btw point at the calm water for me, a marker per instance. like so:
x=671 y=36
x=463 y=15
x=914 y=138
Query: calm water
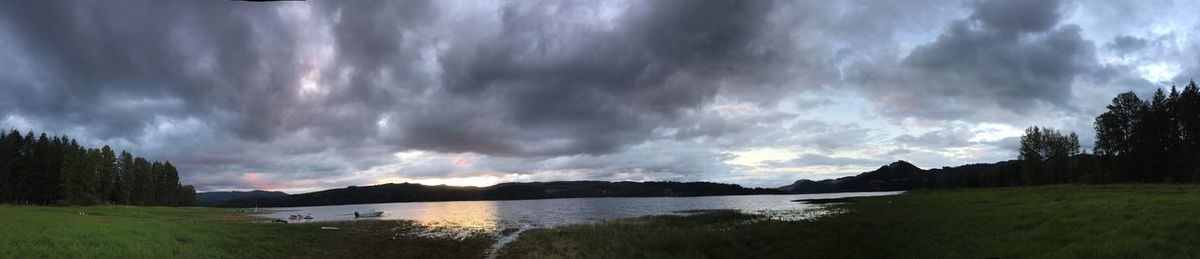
x=493 y=215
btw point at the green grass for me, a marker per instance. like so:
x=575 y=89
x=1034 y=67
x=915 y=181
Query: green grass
x=1048 y=222
x=1042 y=222
x=157 y=232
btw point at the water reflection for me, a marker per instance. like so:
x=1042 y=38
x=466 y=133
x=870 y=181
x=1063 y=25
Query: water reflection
x=465 y=214
x=521 y=214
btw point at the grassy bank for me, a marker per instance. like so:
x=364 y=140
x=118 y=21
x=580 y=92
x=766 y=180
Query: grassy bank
x=1053 y=221
x=156 y=232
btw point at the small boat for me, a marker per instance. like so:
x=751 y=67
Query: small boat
x=308 y=216
x=369 y=213
x=294 y=217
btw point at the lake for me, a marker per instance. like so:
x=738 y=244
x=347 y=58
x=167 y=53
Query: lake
x=494 y=215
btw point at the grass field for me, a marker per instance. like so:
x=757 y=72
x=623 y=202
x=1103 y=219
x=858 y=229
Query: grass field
x=1048 y=222
x=1051 y=222
x=156 y=232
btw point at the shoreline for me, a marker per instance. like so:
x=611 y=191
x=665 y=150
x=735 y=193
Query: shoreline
x=1107 y=221
x=1092 y=221
x=555 y=198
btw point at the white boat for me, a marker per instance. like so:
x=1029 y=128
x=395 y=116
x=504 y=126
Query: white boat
x=367 y=214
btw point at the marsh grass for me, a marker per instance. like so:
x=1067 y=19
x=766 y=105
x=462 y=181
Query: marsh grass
x=158 y=232
x=1047 y=222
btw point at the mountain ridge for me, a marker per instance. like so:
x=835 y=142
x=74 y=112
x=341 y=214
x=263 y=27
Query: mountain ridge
x=216 y=198
x=902 y=175
x=412 y=192
x=896 y=176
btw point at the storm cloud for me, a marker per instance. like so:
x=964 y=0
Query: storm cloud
x=320 y=94
x=1007 y=56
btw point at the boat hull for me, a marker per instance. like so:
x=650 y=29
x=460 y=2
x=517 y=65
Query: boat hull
x=369 y=214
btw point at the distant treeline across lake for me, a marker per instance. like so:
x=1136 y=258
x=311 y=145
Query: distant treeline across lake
x=411 y=192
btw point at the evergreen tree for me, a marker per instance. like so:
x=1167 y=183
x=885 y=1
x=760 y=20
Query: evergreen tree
x=1151 y=139
x=92 y=176
x=45 y=172
x=1187 y=116
x=22 y=188
x=10 y=156
x=74 y=168
x=107 y=163
x=187 y=195
x=155 y=184
x=168 y=185
x=124 y=179
x=142 y=192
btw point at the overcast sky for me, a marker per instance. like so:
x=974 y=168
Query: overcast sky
x=302 y=96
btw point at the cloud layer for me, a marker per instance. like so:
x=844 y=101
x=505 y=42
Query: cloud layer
x=309 y=95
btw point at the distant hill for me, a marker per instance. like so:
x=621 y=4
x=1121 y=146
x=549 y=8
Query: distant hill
x=902 y=175
x=217 y=198
x=899 y=175
x=577 y=189
x=410 y=192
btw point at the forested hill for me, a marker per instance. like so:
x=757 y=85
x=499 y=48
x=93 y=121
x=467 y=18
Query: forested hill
x=217 y=198
x=902 y=175
x=899 y=175
x=409 y=192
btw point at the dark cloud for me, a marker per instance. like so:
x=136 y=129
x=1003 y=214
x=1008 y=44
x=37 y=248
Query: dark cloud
x=324 y=93
x=115 y=66
x=142 y=72
x=245 y=62
x=348 y=76
x=1011 y=143
x=1011 y=17
x=1125 y=44
x=1009 y=57
x=938 y=139
x=554 y=88
x=732 y=120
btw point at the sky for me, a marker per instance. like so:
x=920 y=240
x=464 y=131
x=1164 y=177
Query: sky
x=304 y=96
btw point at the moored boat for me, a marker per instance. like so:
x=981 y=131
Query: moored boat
x=369 y=213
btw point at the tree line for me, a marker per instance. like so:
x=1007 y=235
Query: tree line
x=1137 y=140
x=1155 y=140
x=58 y=170
x=411 y=192
x=1046 y=156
